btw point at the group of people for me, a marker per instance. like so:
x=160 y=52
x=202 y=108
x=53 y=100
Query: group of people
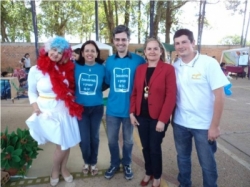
x=22 y=69
x=147 y=94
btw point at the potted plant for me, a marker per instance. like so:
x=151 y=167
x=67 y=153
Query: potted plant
x=18 y=149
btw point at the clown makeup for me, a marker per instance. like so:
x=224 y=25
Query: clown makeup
x=55 y=54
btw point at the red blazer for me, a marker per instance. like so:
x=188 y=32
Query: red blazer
x=162 y=91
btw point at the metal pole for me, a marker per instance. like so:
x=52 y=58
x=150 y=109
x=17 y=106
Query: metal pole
x=34 y=20
x=151 y=27
x=96 y=21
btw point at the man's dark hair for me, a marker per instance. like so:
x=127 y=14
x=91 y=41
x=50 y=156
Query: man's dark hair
x=120 y=29
x=186 y=32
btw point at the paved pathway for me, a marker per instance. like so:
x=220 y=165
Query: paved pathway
x=233 y=155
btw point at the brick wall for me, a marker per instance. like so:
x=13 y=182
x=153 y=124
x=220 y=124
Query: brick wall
x=210 y=50
x=11 y=53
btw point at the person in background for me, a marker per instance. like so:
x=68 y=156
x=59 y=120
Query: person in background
x=223 y=68
x=4 y=74
x=199 y=106
x=120 y=71
x=51 y=94
x=21 y=75
x=22 y=61
x=19 y=72
x=27 y=63
x=151 y=106
x=89 y=76
x=175 y=59
x=76 y=54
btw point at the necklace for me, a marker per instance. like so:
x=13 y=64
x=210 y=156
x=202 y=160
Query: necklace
x=146 y=89
x=90 y=65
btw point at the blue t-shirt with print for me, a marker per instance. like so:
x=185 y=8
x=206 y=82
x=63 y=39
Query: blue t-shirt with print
x=120 y=74
x=88 y=81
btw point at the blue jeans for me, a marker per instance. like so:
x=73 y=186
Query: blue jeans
x=151 y=142
x=113 y=128
x=183 y=143
x=89 y=127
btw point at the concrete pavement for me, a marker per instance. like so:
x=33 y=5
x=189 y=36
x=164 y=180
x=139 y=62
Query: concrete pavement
x=233 y=155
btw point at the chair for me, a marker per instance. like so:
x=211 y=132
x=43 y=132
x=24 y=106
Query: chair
x=238 y=70
x=19 y=90
x=5 y=89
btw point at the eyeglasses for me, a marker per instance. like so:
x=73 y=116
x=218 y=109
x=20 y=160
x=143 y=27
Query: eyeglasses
x=193 y=62
x=121 y=39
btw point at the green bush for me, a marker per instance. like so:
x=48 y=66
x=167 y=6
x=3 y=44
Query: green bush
x=18 y=149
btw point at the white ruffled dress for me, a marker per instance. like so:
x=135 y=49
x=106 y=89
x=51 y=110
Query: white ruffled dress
x=54 y=124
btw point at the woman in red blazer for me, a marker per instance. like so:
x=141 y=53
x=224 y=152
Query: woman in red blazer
x=152 y=102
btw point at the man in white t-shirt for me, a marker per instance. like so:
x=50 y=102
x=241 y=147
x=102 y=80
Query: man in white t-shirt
x=199 y=106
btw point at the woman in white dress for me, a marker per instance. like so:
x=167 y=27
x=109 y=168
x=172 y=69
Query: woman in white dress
x=51 y=94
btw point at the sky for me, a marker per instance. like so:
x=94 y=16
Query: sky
x=222 y=22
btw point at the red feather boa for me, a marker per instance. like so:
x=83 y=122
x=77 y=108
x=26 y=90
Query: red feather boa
x=58 y=73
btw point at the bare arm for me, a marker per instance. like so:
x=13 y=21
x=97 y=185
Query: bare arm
x=214 y=130
x=32 y=90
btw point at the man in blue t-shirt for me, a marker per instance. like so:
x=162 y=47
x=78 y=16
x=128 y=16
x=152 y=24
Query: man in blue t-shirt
x=120 y=71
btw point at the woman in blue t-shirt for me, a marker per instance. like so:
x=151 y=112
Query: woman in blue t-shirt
x=89 y=78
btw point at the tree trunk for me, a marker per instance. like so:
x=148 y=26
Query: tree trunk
x=57 y=31
x=110 y=18
x=139 y=22
x=116 y=13
x=158 y=16
x=3 y=32
x=168 y=22
x=201 y=23
x=126 y=16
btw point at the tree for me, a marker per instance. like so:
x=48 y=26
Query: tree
x=239 y=7
x=61 y=17
x=10 y=13
x=231 y=40
x=172 y=10
x=158 y=17
x=127 y=11
x=201 y=18
x=139 y=22
x=108 y=9
x=167 y=12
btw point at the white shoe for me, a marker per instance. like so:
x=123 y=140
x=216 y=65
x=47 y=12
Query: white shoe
x=69 y=178
x=54 y=182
